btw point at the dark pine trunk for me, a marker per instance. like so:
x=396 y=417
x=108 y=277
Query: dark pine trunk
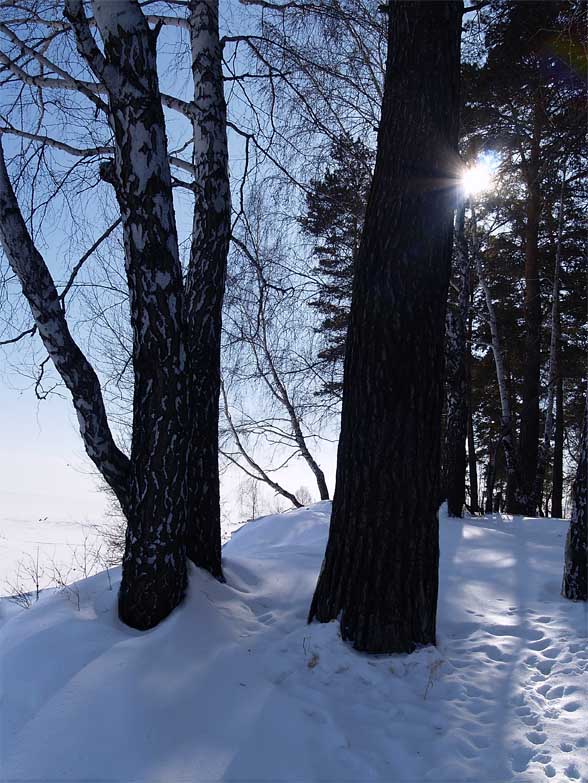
x=575 y=579
x=558 y=448
x=530 y=416
x=380 y=573
x=205 y=283
x=456 y=376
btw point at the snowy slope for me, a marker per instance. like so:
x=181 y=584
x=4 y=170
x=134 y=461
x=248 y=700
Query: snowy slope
x=235 y=686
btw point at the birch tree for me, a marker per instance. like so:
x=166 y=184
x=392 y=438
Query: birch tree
x=575 y=579
x=167 y=485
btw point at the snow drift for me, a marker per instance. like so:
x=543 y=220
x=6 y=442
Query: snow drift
x=235 y=686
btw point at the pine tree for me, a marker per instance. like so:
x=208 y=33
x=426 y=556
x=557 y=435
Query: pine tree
x=335 y=209
x=380 y=573
x=525 y=103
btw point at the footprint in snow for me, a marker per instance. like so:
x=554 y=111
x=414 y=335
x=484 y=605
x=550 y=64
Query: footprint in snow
x=521 y=758
x=550 y=692
x=534 y=636
x=543 y=666
x=537 y=737
x=551 y=652
x=572 y=772
x=493 y=652
x=480 y=741
x=532 y=720
x=540 y=644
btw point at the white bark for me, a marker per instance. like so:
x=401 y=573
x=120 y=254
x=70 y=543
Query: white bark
x=48 y=314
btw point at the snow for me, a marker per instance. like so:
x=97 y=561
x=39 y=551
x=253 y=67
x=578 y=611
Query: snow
x=235 y=686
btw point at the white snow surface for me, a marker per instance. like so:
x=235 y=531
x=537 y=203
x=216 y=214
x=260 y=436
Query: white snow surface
x=235 y=686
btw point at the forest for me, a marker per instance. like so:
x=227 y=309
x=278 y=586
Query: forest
x=240 y=237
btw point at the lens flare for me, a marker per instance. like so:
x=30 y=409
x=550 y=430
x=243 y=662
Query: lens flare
x=477 y=178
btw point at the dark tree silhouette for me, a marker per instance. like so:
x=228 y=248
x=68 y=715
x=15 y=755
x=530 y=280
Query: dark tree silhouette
x=380 y=573
x=456 y=428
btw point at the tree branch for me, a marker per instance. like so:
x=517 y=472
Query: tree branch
x=71 y=364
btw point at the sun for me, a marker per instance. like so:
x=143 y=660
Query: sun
x=477 y=178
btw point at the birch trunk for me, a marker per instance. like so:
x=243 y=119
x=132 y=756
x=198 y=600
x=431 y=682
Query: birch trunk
x=472 y=464
x=558 y=446
x=154 y=564
x=575 y=579
x=205 y=283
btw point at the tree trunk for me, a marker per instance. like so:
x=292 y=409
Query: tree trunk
x=380 y=573
x=506 y=427
x=473 y=468
x=558 y=447
x=530 y=418
x=456 y=377
x=554 y=352
x=575 y=579
x=154 y=563
x=205 y=283
x=490 y=479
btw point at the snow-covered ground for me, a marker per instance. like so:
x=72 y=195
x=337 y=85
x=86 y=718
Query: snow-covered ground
x=235 y=686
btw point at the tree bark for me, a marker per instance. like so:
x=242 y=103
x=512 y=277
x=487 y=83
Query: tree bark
x=380 y=573
x=205 y=283
x=545 y=446
x=575 y=578
x=472 y=464
x=530 y=417
x=554 y=372
x=154 y=563
x=76 y=372
x=558 y=448
x=455 y=376
x=490 y=479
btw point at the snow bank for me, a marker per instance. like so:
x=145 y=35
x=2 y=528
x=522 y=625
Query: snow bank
x=235 y=686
